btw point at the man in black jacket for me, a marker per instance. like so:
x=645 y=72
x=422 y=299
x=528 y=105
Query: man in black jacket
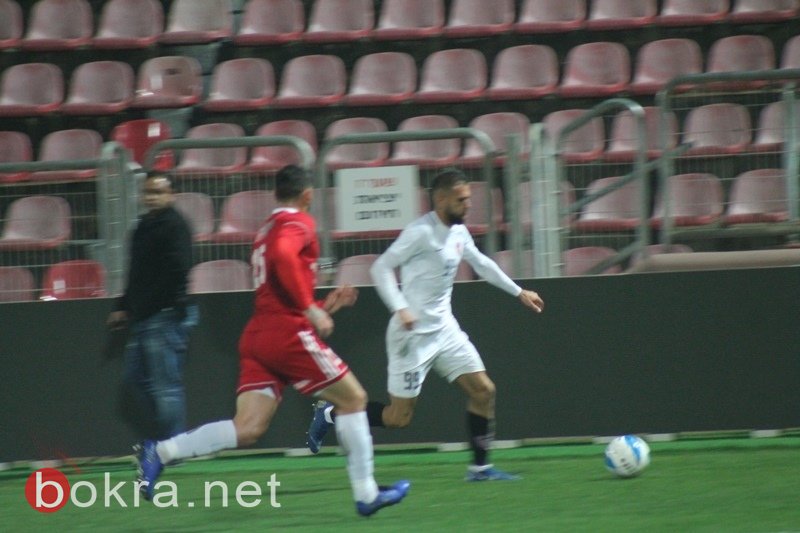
x=156 y=309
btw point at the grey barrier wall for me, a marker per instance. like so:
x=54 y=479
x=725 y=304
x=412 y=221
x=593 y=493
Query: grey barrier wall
x=645 y=353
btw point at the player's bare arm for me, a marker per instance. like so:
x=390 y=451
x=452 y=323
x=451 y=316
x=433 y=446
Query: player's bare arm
x=321 y=320
x=532 y=299
x=344 y=296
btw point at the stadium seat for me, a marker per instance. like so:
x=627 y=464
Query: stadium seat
x=739 y=53
x=138 y=136
x=383 y=78
x=10 y=24
x=771 y=132
x=717 y=129
x=498 y=126
x=243 y=84
x=582 y=145
x=621 y=14
x=578 y=261
x=354 y=270
x=613 y=212
x=15 y=147
x=273 y=158
x=525 y=198
x=312 y=81
x=198 y=210
x=58 y=25
x=759 y=11
x=31 y=89
x=505 y=260
x=167 y=82
x=790 y=56
x=35 y=223
x=78 y=278
x=624 y=140
x=596 y=70
x=213 y=161
x=694 y=200
x=267 y=22
x=455 y=75
x=221 y=275
x=334 y=21
x=16 y=285
x=198 y=22
x=479 y=18
x=692 y=12
x=657 y=62
x=427 y=154
x=551 y=16
x=129 y=24
x=243 y=214
x=409 y=19
x=100 y=88
x=477 y=219
x=66 y=145
x=356 y=155
x=658 y=249
x=524 y=72
x=758 y=196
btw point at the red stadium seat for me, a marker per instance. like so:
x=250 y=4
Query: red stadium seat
x=455 y=75
x=67 y=145
x=198 y=22
x=198 y=210
x=354 y=270
x=383 y=78
x=771 y=132
x=167 y=82
x=59 y=25
x=657 y=62
x=694 y=200
x=621 y=14
x=15 y=147
x=243 y=214
x=126 y=24
x=36 y=223
x=595 y=70
x=214 y=161
x=427 y=154
x=222 y=275
x=525 y=196
x=717 y=129
x=615 y=211
x=138 y=136
x=268 y=22
x=524 y=72
x=339 y=20
x=409 y=19
x=69 y=280
x=578 y=261
x=624 y=141
x=758 y=11
x=551 y=16
x=658 y=249
x=739 y=53
x=790 y=57
x=477 y=219
x=356 y=155
x=10 y=24
x=692 y=12
x=312 y=81
x=479 y=18
x=273 y=158
x=31 y=89
x=582 y=145
x=100 y=88
x=498 y=126
x=505 y=260
x=243 y=84
x=758 y=196
x=16 y=285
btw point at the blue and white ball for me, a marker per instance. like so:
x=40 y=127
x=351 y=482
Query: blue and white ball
x=627 y=456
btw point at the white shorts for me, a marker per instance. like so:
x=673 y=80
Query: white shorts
x=411 y=355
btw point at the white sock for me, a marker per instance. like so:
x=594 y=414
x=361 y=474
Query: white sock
x=356 y=440
x=206 y=439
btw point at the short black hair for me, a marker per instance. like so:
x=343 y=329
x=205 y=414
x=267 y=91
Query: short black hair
x=290 y=182
x=447 y=179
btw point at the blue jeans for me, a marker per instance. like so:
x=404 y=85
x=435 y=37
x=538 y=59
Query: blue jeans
x=154 y=359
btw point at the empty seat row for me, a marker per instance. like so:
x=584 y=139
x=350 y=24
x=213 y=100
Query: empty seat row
x=65 y=280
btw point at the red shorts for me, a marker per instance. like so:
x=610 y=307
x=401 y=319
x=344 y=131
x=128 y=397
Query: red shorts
x=274 y=355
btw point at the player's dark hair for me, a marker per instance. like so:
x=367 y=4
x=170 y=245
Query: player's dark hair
x=290 y=182
x=447 y=179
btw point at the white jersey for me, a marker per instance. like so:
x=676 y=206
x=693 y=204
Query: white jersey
x=428 y=254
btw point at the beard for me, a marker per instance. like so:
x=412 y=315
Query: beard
x=453 y=218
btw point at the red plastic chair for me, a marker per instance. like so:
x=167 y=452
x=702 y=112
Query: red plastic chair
x=659 y=249
x=59 y=25
x=167 y=82
x=312 y=81
x=383 y=78
x=657 y=62
x=273 y=158
x=524 y=72
x=339 y=21
x=717 y=129
x=138 y=136
x=100 y=88
x=624 y=141
x=578 y=261
x=505 y=260
x=268 y=22
x=243 y=84
x=15 y=147
x=497 y=126
x=10 y=24
x=31 y=89
x=582 y=145
x=354 y=270
x=66 y=145
x=739 y=53
x=692 y=12
x=198 y=210
x=525 y=199
x=694 y=199
x=36 y=223
x=551 y=16
x=16 y=285
x=198 y=22
x=213 y=161
x=478 y=18
x=427 y=154
x=243 y=214
x=70 y=280
x=790 y=57
x=758 y=196
x=129 y=24
x=621 y=14
x=477 y=219
x=222 y=275
x=596 y=70
x=455 y=75
x=356 y=155
x=757 y=11
x=613 y=212
x=409 y=19
x=771 y=132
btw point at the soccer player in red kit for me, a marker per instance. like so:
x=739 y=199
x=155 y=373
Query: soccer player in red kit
x=282 y=344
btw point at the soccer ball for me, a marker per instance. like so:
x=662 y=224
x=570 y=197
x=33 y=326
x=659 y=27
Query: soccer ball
x=627 y=455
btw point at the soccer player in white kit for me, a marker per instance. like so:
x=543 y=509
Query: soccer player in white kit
x=423 y=334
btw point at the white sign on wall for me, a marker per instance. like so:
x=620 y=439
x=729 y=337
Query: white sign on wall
x=376 y=199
